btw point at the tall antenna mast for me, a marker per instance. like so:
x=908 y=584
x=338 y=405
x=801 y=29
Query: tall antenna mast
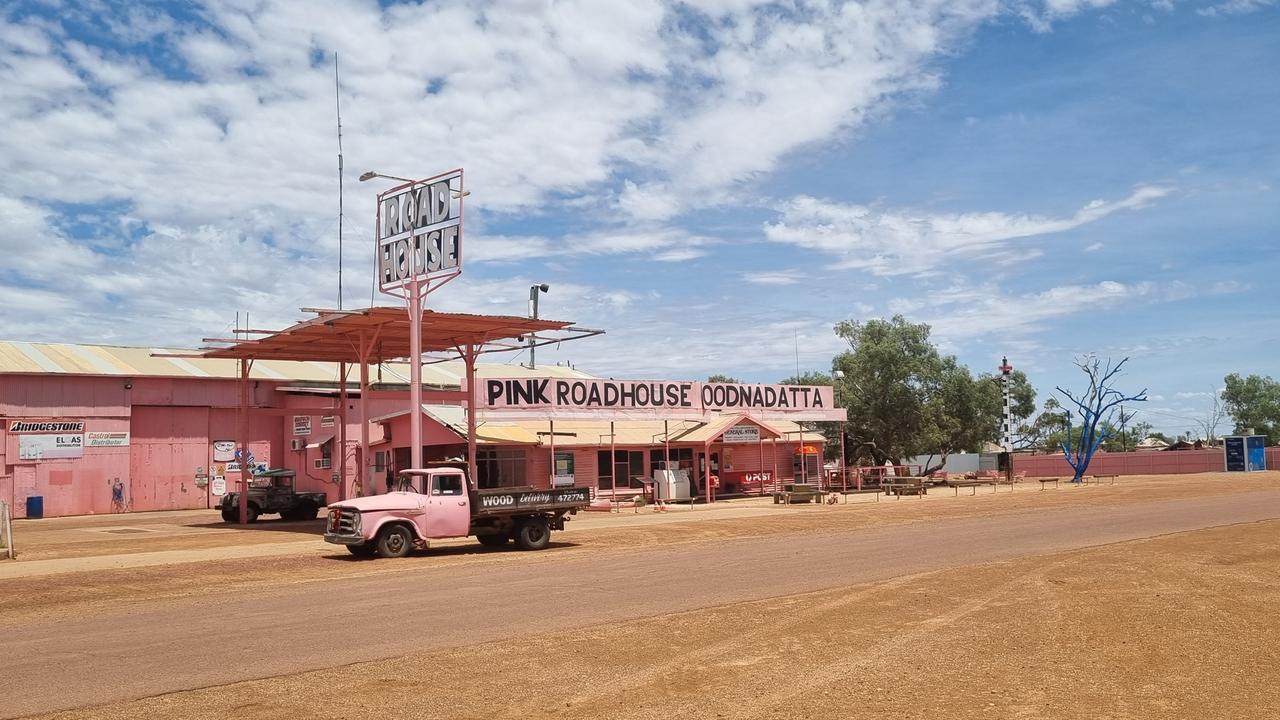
x=337 y=103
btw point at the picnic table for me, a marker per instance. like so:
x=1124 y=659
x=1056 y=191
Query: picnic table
x=906 y=486
x=797 y=493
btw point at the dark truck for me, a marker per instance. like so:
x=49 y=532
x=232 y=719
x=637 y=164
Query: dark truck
x=440 y=503
x=273 y=492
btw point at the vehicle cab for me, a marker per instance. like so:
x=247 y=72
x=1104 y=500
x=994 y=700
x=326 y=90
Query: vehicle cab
x=426 y=504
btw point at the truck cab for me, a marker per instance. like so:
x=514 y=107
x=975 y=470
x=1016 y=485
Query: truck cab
x=438 y=503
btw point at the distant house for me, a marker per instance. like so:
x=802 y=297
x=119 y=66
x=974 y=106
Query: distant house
x=1186 y=445
x=1152 y=443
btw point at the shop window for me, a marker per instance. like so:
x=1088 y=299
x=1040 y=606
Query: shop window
x=500 y=467
x=627 y=465
x=680 y=457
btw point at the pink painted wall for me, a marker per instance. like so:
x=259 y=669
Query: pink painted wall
x=171 y=423
x=1135 y=463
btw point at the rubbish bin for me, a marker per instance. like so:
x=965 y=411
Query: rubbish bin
x=35 y=506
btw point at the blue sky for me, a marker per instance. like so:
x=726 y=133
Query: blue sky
x=715 y=183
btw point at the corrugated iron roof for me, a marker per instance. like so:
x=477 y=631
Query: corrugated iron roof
x=71 y=359
x=595 y=433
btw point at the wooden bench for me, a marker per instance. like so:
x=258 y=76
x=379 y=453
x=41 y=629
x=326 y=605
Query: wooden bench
x=796 y=493
x=906 y=486
x=972 y=484
x=1053 y=480
x=1111 y=478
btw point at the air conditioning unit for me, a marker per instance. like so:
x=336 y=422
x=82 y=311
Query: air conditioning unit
x=297 y=444
x=324 y=463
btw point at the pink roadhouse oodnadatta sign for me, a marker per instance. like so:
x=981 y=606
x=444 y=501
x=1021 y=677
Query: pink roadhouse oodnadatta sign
x=648 y=399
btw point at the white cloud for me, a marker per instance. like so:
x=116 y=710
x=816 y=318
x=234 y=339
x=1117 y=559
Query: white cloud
x=777 y=277
x=1094 y=247
x=1236 y=7
x=903 y=241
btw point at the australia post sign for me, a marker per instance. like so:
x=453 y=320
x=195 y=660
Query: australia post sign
x=419 y=231
x=572 y=397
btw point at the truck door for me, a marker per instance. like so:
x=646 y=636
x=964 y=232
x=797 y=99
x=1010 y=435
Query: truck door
x=448 y=507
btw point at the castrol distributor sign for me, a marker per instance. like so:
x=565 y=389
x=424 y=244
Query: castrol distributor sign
x=419 y=231
x=569 y=397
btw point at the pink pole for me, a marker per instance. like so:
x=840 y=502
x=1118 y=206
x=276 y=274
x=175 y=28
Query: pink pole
x=342 y=431
x=470 y=361
x=362 y=474
x=613 y=465
x=242 y=423
x=415 y=374
x=551 y=480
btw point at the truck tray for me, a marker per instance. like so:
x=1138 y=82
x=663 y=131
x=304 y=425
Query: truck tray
x=502 y=501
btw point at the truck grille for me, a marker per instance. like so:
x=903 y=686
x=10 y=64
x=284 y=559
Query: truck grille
x=344 y=521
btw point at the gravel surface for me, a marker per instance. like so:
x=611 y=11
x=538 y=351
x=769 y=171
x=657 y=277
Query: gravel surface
x=354 y=611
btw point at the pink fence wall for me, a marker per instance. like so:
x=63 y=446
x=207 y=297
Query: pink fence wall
x=1135 y=463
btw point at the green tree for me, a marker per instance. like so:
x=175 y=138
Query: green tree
x=888 y=372
x=808 y=378
x=718 y=378
x=904 y=398
x=1253 y=402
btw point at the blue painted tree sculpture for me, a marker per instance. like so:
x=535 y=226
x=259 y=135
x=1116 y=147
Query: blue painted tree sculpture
x=1095 y=409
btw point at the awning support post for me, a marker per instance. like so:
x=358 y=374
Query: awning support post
x=342 y=431
x=363 y=483
x=469 y=358
x=242 y=429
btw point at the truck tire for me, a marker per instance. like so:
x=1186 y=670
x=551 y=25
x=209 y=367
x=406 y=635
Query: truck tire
x=533 y=534
x=395 y=541
x=363 y=551
x=251 y=515
x=230 y=515
x=495 y=540
x=307 y=511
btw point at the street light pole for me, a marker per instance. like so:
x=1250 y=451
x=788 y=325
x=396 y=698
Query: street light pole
x=534 y=291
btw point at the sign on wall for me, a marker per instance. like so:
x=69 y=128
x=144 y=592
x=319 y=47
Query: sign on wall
x=419 y=231
x=52 y=439
x=741 y=434
x=301 y=424
x=328 y=421
x=569 y=397
x=106 y=439
x=224 y=451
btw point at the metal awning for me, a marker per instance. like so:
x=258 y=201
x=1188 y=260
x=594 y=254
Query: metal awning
x=320 y=440
x=383 y=332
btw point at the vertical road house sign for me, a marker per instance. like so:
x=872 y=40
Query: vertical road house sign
x=419 y=231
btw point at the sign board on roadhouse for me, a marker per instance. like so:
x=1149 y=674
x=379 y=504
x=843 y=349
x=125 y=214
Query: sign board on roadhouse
x=419 y=231
x=566 y=397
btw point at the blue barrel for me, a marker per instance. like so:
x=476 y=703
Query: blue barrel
x=35 y=506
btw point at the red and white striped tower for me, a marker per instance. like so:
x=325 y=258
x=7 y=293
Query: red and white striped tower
x=1006 y=429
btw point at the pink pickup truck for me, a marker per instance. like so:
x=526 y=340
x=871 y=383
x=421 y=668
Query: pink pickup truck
x=441 y=503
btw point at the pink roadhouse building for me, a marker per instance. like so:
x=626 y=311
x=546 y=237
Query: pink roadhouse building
x=95 y=429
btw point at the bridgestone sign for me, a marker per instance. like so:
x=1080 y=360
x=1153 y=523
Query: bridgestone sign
x=561 y=397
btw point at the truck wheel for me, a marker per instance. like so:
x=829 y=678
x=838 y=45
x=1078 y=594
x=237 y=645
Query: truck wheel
x=362 y=551
x=533 y=534
x=496 y=540
x=251 y=515
x=308 y=512
x=230 y=515
x=395 y=542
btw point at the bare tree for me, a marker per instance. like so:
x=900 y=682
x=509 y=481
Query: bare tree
x=1095 y=407
x=1213 y=418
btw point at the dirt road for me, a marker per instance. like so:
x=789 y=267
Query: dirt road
x=141 y=651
